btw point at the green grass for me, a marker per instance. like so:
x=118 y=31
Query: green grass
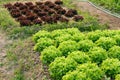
x=112 y=5
x=18 y=75
x=7 y=1
x=6 y=21
x=24 y=60
x=1 y=64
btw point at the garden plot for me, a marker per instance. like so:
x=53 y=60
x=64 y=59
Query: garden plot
x=72 y=55
x=41 y=13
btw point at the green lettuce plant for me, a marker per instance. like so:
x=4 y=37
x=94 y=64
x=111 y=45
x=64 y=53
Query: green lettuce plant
x=79 y=57
x=106 y=42
x=117 y=77
x=75 y=75
x=97 y=54
x=43 y=43
x=111 y=67
x=49 y=54
x=41 y=34
x=60 y=66
x=67 y=47
x=114 y=52
x=85 y=45
x=91 y=70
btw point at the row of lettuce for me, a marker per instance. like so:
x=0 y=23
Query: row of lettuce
x=113 y=5
x=73 y=55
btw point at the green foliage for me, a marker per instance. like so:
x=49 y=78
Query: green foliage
x=94 y=36
x=105 y=42
x=43 y=43
x=78 y=37
x=117 y=77
x=18 y=75
x=58 y=33
x=117 y=38
x=23 y=32
x=66 y=34
x=113 y=5
x=75 y=75
x=62 y=38
x=52 y=27
x=85 y=45
x=41 y=34
x=79 y=57
x=111 y=67
x=49 y=54
x=91 y=70
x=97 y=54
x=5 y=20
x=68 y=3
x=114 y=52
x=72 y=31
x=109 y=33
x=8 y=1
x=60 y=67
x=67 y=47
x=90 y=50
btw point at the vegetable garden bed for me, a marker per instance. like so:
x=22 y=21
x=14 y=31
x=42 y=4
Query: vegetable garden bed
x=41 y=12
x=72 y=55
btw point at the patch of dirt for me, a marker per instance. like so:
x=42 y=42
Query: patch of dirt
x=4 y=69
x=27 y=59
x=113 y=22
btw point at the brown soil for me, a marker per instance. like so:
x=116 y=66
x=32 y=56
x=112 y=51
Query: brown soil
x=113 y=22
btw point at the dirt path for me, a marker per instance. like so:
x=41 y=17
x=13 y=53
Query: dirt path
x=113 y=22
x=4 y=72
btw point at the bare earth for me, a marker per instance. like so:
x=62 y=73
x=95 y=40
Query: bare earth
x=113 y=22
